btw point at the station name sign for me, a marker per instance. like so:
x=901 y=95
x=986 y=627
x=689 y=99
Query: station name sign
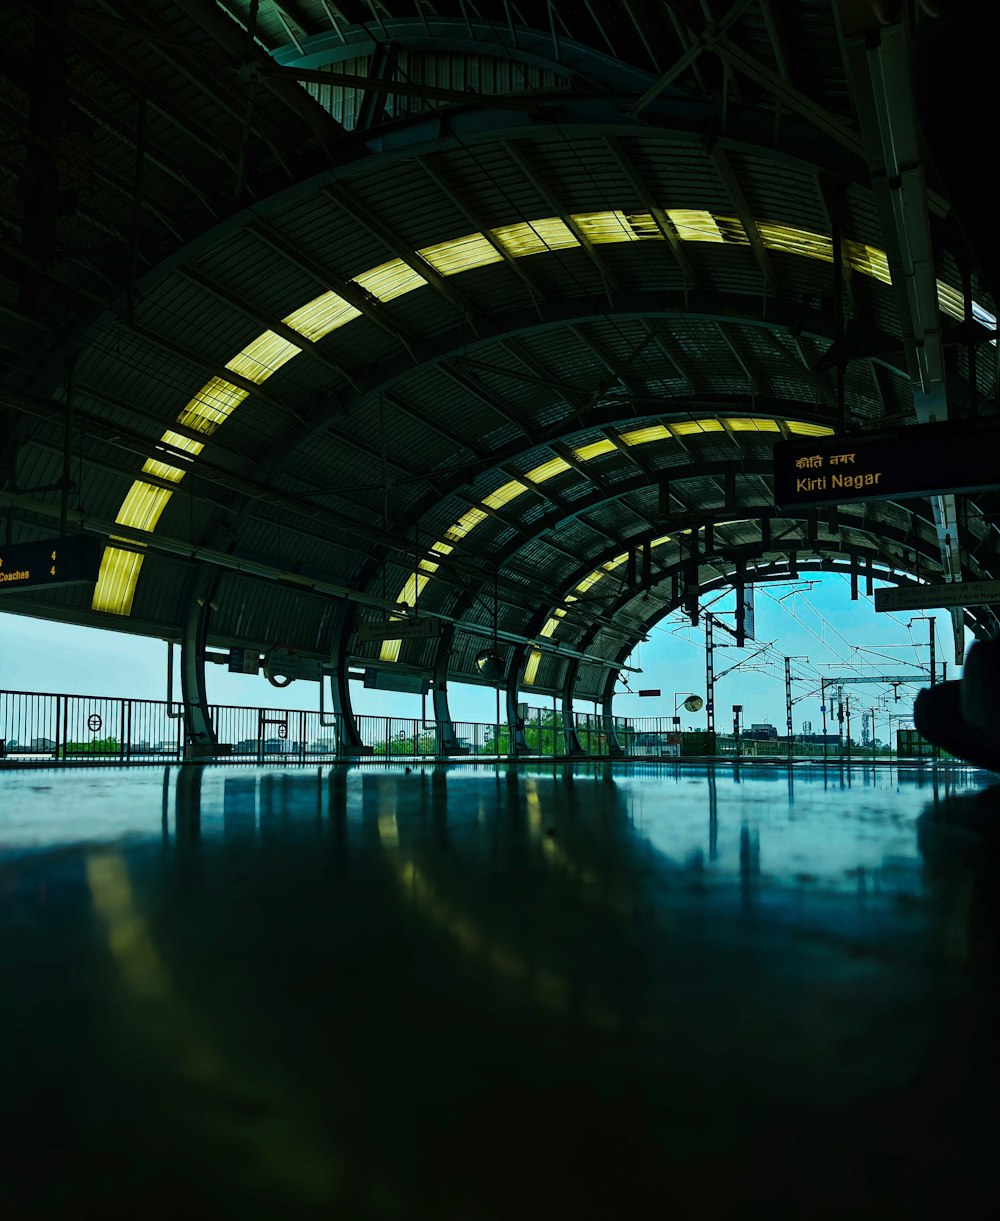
x=50 y=563
x=888 y=464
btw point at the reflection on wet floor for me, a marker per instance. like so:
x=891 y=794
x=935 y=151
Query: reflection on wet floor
x=486 y=992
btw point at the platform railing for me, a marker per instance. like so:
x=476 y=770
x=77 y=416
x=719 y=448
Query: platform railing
x=49 y=726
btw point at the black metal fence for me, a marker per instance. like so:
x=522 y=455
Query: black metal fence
x=36 y=726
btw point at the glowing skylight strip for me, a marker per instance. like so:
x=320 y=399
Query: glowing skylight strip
x=750 y=424
x=531 y=668
x=639 y=436
x=413 y=588
x=606 y=227
x=320 y=316
x=268 y=352
x=504 y=494
x=547 y=470
x=163 y=470
x=643 y=436
x=116 y=581
x=214 y=403
x=685 y=428
x=461 y=254
x=177 y=441
x=790 y=240
x=594 y=449
x=869 y=260
x=143 y=505
x=468 y=521
x=694 y=225
x=808 y=430
x=535 y=237
x=258 y=360
x=390 y=280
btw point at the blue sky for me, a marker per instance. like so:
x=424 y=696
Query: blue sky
x=815 y=620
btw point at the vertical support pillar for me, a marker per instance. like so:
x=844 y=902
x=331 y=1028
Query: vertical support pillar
x=822 y=701
x=200 y=739
x=788 y=705
x=349 y=737
x=615 y=748
x=515 y=725
x=710 y=674
x=574 y=747
x=447 y=741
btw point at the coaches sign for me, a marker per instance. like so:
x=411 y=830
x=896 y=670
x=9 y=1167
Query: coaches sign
x=891 y=464
x=50 y=563
x=935 y=597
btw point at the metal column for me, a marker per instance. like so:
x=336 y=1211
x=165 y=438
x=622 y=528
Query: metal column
x=447 y=741
x=349 y=738
x=200 y=739
x=574 y=747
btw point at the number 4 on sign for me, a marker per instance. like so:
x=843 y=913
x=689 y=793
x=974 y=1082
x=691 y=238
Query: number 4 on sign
x=54 y=555
x=52 y=571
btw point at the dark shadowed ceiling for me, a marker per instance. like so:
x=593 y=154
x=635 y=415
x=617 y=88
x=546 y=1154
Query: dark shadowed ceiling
x=485 y=311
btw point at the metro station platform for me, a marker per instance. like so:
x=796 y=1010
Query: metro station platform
x=476 y=993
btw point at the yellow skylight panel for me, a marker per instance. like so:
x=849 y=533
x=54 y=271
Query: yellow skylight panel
x=212 y=405
x=547 y=470
x=143 y=505
x=429 y=566
x=116 y=581
x=321 y=316
x=602 y=227
x=177 y=441
x=531 y=668
x=163 y=470
x=808 y=430
x=413 y=588
x=258 y=360
x=390 y=650
x=390 y=280
x=442 y=548
x=534 y=237
x=594 y=449
x=643 y=436
x=617 y=562
x=559 y=613
x=796 y=241
x=587 y=582
x=869 y=260
x=658 y=542
x=686 y=428
x=694 y=225
x=504 y=495
x=743 y=423
x=550 y=627
x=461 y=254
x=950 y=300
x=468 y=521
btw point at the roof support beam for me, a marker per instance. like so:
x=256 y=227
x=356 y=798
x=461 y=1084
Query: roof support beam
x=720 y=159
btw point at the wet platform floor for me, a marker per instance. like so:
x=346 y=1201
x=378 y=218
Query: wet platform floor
x=496 y=992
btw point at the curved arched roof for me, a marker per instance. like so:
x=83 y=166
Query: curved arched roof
x=372 y=304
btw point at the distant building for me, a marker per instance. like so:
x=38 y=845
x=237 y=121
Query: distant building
x=760 y=732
